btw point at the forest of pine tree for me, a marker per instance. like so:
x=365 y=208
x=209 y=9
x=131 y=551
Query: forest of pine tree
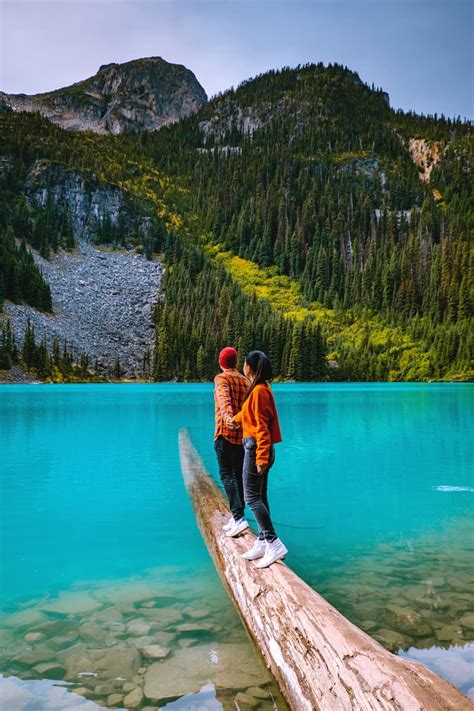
x=327 y=192
x=45 y=229
x=57 y=364
x=304 y=175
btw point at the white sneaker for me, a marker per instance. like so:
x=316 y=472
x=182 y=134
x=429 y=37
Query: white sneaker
x=229 y=523
x=257 y=550
x=237 y=528
x=273 y=551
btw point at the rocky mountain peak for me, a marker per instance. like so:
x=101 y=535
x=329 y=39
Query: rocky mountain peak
x=143 y=93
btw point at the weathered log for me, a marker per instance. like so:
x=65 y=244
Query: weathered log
x=321 y=660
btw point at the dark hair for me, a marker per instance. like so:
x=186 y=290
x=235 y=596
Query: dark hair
x=261 y=366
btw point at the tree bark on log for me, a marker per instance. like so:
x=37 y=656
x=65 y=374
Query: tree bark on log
x=321 y=660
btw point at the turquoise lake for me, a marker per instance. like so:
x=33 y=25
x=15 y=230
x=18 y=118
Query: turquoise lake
x=372 y=491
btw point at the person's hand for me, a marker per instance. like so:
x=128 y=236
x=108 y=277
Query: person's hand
x=230 y=423
x=262 y=468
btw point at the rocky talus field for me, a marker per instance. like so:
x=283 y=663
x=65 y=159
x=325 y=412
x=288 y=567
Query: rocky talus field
x=103 y=305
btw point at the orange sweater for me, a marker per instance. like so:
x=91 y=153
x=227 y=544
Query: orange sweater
x=259 y=419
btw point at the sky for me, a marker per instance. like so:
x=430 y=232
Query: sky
x=419 y=51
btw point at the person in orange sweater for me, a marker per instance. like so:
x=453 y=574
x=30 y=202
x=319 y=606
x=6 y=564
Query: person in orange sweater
x=261 y=430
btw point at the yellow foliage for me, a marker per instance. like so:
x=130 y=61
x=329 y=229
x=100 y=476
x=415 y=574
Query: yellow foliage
x=284 y=295
x=281 y=292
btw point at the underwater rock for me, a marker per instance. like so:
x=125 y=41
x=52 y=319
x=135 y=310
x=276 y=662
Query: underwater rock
x=55 y=628
x=196 y=614
x=83 y=691
x=139 y=642
x=119 y=661
x=137 y=629
x=194 y=628
x=63 y=642
x=407 y=620
x=6 y=637
x=114 y=627
x=229 y=666
x=163 y=638
x=187 y=642
x=391 y=639
x=162 y=616
x=155 y=651
x=23 y=618
x=450 y=633
x=105 y=689
x=92 y=632
x=34 y=637
x=467 y=621
x=257 y=692
x=50 y=670
x=30 y=657
x=128 y=686
x=134 y=699
x=368 y=625
x=72 y=603
x=244 y=702
x=127 y=592
x=109 y=614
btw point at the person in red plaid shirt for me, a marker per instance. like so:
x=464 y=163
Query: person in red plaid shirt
x=230 y=387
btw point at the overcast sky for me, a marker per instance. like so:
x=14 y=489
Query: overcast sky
x=419 y=51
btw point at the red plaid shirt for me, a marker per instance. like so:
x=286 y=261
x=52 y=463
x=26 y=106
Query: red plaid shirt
x=229 y=390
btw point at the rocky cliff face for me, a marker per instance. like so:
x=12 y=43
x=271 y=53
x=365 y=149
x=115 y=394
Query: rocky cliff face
x=89 y=200
x=425 y=155
x=141 y=94
x=102 y=299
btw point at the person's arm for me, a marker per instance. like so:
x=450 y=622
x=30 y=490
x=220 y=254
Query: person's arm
x=224 y=401
x=238 y=417
x=262 y=412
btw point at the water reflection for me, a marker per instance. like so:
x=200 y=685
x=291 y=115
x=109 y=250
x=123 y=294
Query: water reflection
x=41 y=695
x=456 y=664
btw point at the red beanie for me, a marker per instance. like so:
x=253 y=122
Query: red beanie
x=228 y=357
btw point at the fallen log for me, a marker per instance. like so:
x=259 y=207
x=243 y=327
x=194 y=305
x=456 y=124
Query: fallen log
x=321 y=660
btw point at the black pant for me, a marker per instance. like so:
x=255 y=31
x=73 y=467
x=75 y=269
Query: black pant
x=230 y=458
x=255 y=489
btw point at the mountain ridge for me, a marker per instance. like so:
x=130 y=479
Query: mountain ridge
x=332 y=205
x=134 y=95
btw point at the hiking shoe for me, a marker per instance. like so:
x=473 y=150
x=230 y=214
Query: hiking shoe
x=273 y=551
x=237 y=528
x=257 y=550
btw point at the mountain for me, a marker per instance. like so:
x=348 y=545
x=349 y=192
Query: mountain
x=141 y=94
x=298 y=213
x=305 y=182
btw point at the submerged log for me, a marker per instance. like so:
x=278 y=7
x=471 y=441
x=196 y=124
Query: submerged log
x=320 y=659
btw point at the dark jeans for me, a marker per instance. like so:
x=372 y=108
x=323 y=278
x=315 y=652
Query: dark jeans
x=230 y=458
x=255 y=489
